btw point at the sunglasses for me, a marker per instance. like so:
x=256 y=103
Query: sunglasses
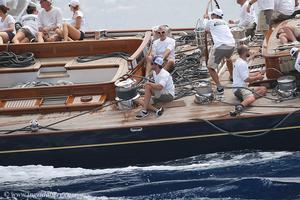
x=160 y=33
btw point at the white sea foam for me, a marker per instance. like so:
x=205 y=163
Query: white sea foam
x=45 y=174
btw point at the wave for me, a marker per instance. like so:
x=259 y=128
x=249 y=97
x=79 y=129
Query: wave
x=211 y=176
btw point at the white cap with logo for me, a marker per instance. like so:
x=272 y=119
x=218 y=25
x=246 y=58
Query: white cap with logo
x=74 y=3
x=158 y=60
x=218 y=12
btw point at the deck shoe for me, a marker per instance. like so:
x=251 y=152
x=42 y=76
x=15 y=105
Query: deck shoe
x=160 y=111
x=239 y=108
x=142 y=114
x=220 y=90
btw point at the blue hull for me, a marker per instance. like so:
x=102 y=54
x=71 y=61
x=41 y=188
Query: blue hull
x=146 y=145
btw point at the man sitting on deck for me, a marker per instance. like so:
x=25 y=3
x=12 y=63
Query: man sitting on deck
x=164 y=47
x=224 y=45
x=241 y=77
x=50 y=21
x=162 y=89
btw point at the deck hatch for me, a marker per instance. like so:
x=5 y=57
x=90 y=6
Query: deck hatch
x=24 y=103
x=50 y=101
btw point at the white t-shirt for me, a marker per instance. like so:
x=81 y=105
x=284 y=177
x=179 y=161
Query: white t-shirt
x=78 y=13
x=164 y=78
x=30 y=22
x=159 y=47
x=6 y=22
x=247 y=19
x=297 y=63
x=240 y=73
x=266 y=4
x=285 y=7
x=220 y=32
x=50 y=19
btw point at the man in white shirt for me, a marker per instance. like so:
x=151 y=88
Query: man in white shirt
x=266 y=8
x=224 y=45
x=162 y=89
x=164 y=47
x=50 y=21
x=294 y=52
x=283 y=10
x=247 y=20
x=241 y=78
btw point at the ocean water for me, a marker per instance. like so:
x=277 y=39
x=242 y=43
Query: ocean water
x=234 y=175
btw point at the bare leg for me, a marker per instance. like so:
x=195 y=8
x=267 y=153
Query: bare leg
x=148 y=94
x=25 y=40
x=71 y=31
x=4 y=37
x=229 y=67
x=260 y=91
x=18 y=37
x=283 y=38
x=289 y=34
x=40 y=37
x=214 y=75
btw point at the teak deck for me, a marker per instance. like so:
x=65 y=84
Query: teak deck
x=111 y=117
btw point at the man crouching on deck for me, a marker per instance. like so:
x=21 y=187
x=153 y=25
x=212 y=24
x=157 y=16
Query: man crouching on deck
x=162 y=89
x=241 y=77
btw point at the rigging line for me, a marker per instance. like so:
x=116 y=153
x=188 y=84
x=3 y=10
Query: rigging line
x=250 y=136
x=261 y=106
x=217 y=4
x=79 y=115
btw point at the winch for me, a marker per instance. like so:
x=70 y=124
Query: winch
x=204 y=93
x=126 y=93
x=286 y=86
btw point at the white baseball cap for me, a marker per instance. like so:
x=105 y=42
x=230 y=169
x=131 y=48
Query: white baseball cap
x=158 y=60
x=32 y=4
x=218 y=12
x=74 y=3
x=293 y=51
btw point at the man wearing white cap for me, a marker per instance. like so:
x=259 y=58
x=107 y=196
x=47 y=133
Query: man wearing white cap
x=163 y=89
x=50 y=20
x=224 y=45
x=241 y=79
x=294 y=52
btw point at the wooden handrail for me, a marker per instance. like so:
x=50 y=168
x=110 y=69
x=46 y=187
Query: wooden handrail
x=145 y=43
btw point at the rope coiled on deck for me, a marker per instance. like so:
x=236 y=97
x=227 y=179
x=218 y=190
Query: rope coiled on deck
x=12 y=60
